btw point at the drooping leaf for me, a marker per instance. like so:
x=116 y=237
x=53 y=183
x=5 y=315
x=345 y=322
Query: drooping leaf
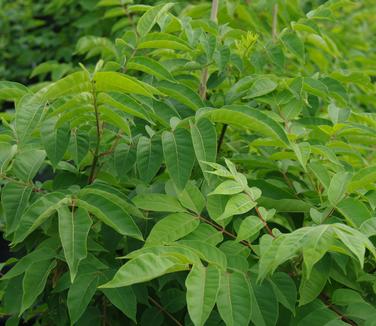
x=234 y=299
x=149 y=157
x=182 y=94
x=74 y=226
x=109 y=210
x=14 y=199
x=124 y=299
x=141 y=269
x=312 y=285
x=80 y=294
x=27 y=164
x=202 y=285
x=179 y=155
x=204 y=139
x=55 y=140
x=37 y=213
x=34 y=281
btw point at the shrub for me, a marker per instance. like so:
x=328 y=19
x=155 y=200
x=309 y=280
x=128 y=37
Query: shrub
x=202 y=171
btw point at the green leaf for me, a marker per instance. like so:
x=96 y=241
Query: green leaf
x=202 y=285
x=179 y=155
x=79 y=146
x=141 y=269
x=238 y=204
x=14 y=199
x=80 y=294
x=337 y=187
x=163 y=41
x=260 y=87
x=27 y=164
x=108 y=81
x=206 y=252
x=55 y=140
x=363 y=178
x=150 y=17
x=204 y=139
x=228 y=187
x=182 y=94
x=192 y=198
x=171 y=228
x=150 y=67
x=74 y=226
x=12 y=91
x=157 y=203
x=293 y=43
x=205 y=233
x=123 y=103
x=312 y=285
x=265 y=305
x=247 y=118
x=34 y=282
x=124 y=159
x=29 y=112
x=110 y=211
x=250 y=226
x=124 y=299
x=44 y=251
x=149 y=157
x=38 y=213
x=77 y=82
x=354 y=211
x=284 y=289
x=234 y=299
x=7 y=152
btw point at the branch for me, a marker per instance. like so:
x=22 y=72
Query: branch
x=325 y=299
x=205 y=72
x=165 y=311
x=96 y=152
x=275 y=22
x=224 y=231
x=221 y=137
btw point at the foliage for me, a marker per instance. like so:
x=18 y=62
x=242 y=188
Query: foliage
x=198 y=171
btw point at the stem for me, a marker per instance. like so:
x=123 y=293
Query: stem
x=96 y=152
x=205 y=72
x=224 y=231
x=264 y=222
x=26 y=184
x=114 y=145
x=325 y=299
x=221 y=137
x=275 y=22
x=165 y=311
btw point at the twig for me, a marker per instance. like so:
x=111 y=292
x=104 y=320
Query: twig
x=275 y=22
x=325 y=299
x=21 y=183
x=96 y=152
x=224 y=231
x=205 y=72
x=264 y=222
x=114 y=145
x=221 y=137
x=161 y=308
